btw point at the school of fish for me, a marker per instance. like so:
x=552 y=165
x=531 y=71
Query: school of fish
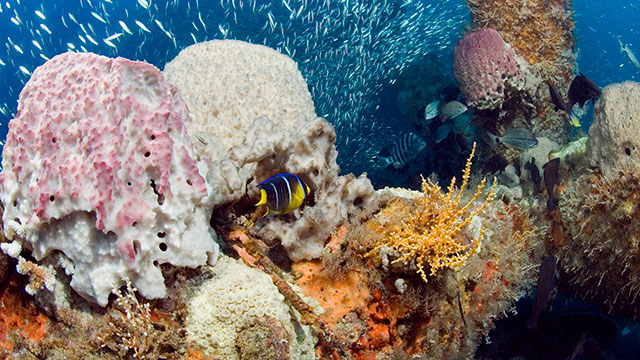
x=347 y=50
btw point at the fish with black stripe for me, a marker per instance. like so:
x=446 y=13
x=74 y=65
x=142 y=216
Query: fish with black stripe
x=402 y=152
x=282 y=193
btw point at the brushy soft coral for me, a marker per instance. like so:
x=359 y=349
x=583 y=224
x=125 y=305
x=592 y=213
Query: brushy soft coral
x=431 y=233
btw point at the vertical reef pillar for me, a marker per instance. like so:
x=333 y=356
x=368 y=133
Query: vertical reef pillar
x=538 y=30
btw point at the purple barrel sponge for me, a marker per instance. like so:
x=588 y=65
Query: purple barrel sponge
x=98 y=165
x=484 y=67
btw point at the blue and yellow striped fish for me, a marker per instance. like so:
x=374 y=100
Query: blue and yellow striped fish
x=282 y=193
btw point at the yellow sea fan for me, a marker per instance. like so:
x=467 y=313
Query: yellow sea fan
x=431 y=231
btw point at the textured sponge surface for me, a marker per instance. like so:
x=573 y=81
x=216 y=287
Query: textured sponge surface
x=227 y=84
x=237 y=301
x=484 y=65
x=98 y=164
x=613 y=142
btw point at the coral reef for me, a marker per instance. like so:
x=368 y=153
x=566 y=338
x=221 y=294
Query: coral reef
x=20 y=320
x=227 y=84
x=601 y=253
x=431 y=233
x=239 y=311
x=540 y=34
x=98 y=166
x=248 y=134
x=485 y=68
x=376 y=307
x=538 y=30
x=613 y=138
x=351 y=273
x=599 y=206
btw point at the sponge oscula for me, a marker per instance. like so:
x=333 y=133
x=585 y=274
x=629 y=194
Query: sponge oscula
x=98 y=165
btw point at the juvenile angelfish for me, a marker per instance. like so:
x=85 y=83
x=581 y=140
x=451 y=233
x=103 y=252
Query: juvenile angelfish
x=282 y=193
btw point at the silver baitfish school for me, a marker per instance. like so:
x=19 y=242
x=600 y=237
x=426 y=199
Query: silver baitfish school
x=282 y=193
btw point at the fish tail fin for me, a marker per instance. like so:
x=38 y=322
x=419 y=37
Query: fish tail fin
x=263 y=198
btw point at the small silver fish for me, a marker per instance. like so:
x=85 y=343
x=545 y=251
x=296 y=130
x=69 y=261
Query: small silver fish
x=91 y=39
x=141 y=26
x=125 y=27
x=45 y=28
x=518 y=137
x=431 y=110
x=630 y=54
x=98 y=17
x=452 y=109
x=113 y=37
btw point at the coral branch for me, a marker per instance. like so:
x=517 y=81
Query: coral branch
x=432 y=232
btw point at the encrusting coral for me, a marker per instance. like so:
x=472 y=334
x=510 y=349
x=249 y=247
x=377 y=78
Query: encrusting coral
x=131 y=331
x=599 y=257
x=598 y=205
x=376 y=307
x=432 y=232
x=20 y=319
x=538 y=30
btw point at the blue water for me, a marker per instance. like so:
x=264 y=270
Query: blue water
x=359 y=51
x=352 y=69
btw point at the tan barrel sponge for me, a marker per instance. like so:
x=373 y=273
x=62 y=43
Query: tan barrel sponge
x=227 y=84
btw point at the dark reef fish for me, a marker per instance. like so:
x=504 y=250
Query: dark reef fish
x=534 y=173
x=581 y=90
x=403 y=151
x=544 y=291
x=556 y=99
x=550 y=174
x=282 y=193
x=495 y=164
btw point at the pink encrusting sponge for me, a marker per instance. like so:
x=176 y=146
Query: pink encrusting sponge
x=484 y=67
x=98 y=165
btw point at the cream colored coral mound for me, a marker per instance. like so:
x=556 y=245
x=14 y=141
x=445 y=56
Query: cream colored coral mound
x=227 y=84
x=613 y=142
x=252 y=118
x=240 y=311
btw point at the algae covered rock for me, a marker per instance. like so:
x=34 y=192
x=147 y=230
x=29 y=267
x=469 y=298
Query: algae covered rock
x=614 y=143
